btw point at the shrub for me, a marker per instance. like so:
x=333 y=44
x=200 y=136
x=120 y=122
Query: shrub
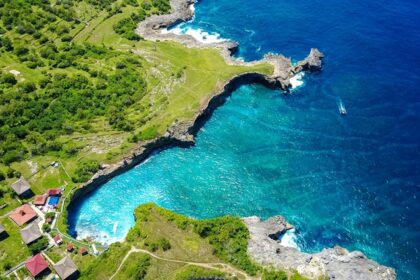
x=274 y=275
x=46 y=227
x=193 y=272
x=229 y=238
x=38 y=245
x=164 y=244
x=85 y=170
x=8 y=78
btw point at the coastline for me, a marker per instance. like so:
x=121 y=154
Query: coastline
x=182 y=134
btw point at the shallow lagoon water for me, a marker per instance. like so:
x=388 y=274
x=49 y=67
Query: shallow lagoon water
x=350 y=180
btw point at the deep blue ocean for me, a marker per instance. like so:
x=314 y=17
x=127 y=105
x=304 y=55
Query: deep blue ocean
x=350 y=180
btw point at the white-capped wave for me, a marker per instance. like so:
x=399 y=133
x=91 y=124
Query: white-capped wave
x=289 y=239
x=198 y=34
x=192 y=8
x=297 y=80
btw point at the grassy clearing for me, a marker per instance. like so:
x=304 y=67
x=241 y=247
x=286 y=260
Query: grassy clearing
x=12 y=249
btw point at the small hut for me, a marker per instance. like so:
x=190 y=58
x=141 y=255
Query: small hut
x=70 y=247
x=57 y=239
x=83 y=251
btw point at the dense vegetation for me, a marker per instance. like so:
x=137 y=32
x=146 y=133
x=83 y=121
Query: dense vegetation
x=69 y=92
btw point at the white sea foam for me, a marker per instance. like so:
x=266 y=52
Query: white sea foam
x=296 y=80
x=289 y=239
x=192 y=8
x=114 y=228
x=198 y=34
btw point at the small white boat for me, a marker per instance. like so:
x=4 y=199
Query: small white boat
x=341 y=108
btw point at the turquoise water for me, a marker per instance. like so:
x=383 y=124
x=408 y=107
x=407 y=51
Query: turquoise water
x=351 y=180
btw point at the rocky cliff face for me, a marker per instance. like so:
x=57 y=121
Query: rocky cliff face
x=334 y=263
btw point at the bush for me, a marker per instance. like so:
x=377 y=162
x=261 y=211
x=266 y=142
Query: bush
x=2 y=176
x=46 y=227
x=38 y=245
x=229 y=238
x=85 y=170
x=50 y=215
x=164 y=244
x=193 y=272
x=274 y=275
x=8 y=78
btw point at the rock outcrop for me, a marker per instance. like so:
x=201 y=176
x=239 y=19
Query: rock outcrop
x=334 y=263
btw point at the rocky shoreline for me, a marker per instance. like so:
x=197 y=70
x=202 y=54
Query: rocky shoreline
x=334 y=263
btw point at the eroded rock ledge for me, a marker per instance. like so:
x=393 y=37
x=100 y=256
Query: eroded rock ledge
x=335 y=263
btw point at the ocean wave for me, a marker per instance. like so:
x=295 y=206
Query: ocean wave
x=289 y=239
x=297 y=80
x=198 y=34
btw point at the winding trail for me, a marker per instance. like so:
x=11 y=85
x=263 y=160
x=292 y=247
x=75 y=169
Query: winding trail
x=226 y=268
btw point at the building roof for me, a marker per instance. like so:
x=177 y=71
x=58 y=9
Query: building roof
x=57 y=238
x=69 y=247
x=36 y=264
x=65 y=267
x=23 y=214
x=21 y=186
x=83 y=251
x=40 y=199
x=54 y=192
x=2 y=228
x=30 y=233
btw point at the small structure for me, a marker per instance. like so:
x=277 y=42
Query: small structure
x=23 y=214
x=40 y=200
x=54 y=192
x=30 y=233
x=83 y=251
x=70 y=247
x=21 y=187
x=66 y=268
x=57 y=239
x=36 y=265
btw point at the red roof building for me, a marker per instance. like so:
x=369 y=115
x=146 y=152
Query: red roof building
x=83 y=251
x=23 y=214
x=57 y=239
x=54 y=192
x=40 y=200
x=69 y=247
x=36 y=264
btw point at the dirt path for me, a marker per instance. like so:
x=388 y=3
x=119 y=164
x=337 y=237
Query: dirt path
x=216 y=266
